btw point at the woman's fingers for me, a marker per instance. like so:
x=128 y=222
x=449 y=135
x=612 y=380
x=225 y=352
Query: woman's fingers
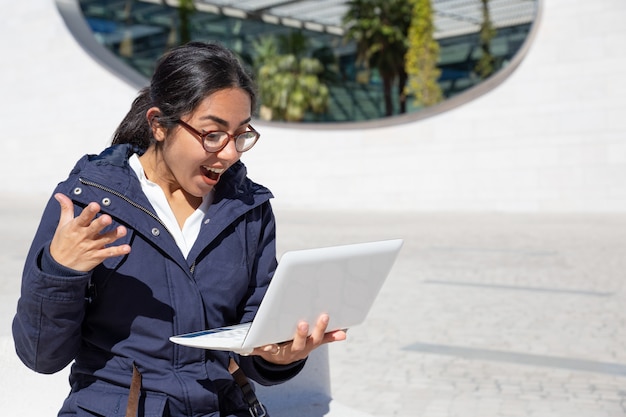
x=107 y=239
x=317 y=336
x=84 y=220
x=302 y=344
x=78 y=242
x=300 y=338
x=336 y=336
x=87 y=216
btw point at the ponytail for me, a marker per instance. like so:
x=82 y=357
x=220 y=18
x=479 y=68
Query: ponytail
x=135 y=129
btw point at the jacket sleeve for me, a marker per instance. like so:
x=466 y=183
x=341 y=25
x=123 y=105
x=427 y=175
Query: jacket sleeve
x=47 y=324
x=266 y=373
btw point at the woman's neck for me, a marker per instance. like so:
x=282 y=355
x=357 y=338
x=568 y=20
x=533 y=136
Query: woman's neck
x=181 y=202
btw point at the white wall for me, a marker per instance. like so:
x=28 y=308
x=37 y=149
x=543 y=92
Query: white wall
x=552 y=137
x=57 y=103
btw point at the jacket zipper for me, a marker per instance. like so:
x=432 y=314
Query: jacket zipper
x=132 y=203
x=128 y=200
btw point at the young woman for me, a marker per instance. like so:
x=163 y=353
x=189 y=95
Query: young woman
x=161 y=234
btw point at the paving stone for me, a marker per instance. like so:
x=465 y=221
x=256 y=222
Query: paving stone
x=484 y=314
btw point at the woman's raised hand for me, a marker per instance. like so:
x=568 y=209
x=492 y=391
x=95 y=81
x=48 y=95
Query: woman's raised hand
x=78 y=242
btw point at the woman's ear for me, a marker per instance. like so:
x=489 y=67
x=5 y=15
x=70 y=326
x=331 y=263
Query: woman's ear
x=158 y=130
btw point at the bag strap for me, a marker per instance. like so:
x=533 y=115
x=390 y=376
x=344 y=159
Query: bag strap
x=254 y=405
x=135 y=393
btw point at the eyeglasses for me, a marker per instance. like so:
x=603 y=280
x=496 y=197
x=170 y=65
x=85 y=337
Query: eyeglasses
x=216 y=140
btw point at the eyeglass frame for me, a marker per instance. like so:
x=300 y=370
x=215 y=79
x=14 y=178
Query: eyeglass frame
x=202 y=136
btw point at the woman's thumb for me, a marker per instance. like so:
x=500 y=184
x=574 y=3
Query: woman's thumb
x=67 y=208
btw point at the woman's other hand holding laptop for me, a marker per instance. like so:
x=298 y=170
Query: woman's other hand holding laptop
x=302 y=344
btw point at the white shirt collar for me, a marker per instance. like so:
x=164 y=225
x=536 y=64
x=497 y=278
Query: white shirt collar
x=186 y=236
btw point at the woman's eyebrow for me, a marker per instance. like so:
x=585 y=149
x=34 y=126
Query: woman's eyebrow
x=223 y=122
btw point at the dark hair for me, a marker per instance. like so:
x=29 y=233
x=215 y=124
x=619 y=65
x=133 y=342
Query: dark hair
x=183 y=77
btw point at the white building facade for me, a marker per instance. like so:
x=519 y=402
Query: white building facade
x=547 y=135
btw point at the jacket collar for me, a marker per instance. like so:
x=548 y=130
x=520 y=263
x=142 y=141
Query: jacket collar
x=235 y=194
x=233 y=183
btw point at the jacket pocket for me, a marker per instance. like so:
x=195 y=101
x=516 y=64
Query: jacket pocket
x=103 y=400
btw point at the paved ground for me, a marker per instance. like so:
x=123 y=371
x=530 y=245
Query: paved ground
x=483 y=315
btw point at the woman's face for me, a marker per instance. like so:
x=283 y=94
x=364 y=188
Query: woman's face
x=185 y=163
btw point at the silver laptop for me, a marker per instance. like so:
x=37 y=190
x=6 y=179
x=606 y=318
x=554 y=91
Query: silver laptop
x=342 y=281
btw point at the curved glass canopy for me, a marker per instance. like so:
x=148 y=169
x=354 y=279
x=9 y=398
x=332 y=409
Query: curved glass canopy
x=139 y=31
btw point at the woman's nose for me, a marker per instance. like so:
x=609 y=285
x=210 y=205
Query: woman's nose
x=229 y=151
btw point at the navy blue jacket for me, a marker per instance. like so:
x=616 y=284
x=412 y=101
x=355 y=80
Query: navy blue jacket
x=124 y=311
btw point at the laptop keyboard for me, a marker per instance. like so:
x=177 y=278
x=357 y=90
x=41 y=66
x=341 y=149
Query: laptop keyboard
x=231 y=332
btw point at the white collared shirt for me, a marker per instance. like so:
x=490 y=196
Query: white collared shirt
x=186 y=236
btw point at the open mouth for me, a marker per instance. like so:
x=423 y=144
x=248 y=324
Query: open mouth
x=211 y=173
